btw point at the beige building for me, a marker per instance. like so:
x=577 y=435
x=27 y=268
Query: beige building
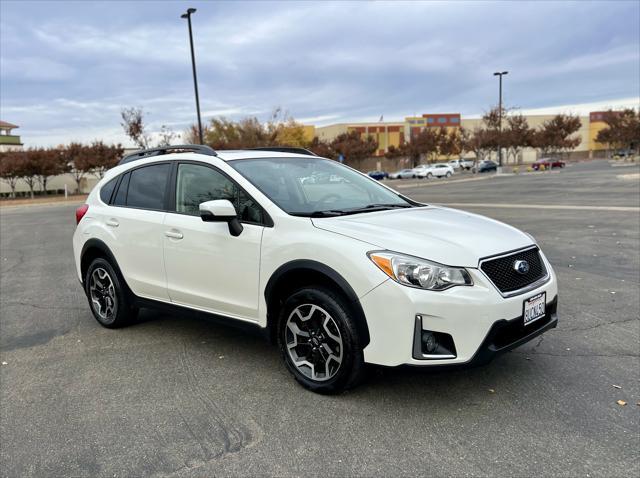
x=9 y=141
x=396 y=133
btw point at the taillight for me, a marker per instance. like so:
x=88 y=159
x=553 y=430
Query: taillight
x=80 y=212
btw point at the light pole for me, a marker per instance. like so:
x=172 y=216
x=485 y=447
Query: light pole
x=500 y=74
x=193 y=64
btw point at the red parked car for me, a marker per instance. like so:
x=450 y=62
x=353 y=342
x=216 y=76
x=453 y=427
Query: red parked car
x=548 y=163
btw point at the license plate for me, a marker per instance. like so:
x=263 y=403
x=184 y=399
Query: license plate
x=534 y=308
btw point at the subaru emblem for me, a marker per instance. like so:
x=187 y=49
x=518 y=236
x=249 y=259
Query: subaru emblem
x=521 y=267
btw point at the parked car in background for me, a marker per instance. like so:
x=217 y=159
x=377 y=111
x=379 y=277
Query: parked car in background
x=548 y=163
x=623 y=153
x=403 y=174
x=485 y=166
x=438 y=170
x=378 y=175
x=461 y=164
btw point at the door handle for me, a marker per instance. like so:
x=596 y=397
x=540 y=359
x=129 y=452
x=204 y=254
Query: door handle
x=174 y=234
x=112 y=222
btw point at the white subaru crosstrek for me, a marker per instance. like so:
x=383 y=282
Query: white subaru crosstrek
x=335 y=267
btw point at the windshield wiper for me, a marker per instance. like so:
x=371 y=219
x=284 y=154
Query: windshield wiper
x=355 y=210
x=329 y=213
x=372 y=206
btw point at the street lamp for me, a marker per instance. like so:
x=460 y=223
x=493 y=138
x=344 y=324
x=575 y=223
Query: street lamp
x=500 y=74
x=187 y=15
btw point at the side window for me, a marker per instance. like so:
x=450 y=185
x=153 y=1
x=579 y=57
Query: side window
x=197 y=184
x=147 y=186
x=107 y=190
x=121 y=196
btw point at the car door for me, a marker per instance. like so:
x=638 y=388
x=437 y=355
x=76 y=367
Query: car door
x=135 y=220
x=207 y=267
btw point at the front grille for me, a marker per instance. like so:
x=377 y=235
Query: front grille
x=502 y=273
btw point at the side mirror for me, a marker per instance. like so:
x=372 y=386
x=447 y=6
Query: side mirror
x=221 y=210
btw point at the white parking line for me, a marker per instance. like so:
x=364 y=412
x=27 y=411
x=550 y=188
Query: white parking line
x=545 y=206
x=432 y=182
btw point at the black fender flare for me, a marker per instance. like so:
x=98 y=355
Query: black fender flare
x=106 y=252
x=271 y=289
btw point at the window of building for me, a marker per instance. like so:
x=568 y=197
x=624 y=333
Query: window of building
x=455 y=120
x=147 y=186
x=442 y=119
x=429 y=120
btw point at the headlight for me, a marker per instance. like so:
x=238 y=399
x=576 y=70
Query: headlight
x=420 y=273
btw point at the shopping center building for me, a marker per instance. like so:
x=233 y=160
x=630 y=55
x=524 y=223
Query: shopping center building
x=396 y=133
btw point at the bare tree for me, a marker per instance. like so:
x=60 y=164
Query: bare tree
x=134 y=128
x=167 y=135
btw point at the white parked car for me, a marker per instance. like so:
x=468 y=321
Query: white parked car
x=403 y=174
x=337 y=273
x=461 y=163
x=438 y=170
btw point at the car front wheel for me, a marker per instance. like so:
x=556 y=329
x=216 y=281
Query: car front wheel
x=319 y=341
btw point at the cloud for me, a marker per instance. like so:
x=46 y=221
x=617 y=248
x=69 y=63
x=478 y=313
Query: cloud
x=78 y=64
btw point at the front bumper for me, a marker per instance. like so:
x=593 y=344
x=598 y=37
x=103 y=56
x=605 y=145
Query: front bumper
x=481 y=322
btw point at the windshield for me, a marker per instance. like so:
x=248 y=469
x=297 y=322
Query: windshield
x=316 y=187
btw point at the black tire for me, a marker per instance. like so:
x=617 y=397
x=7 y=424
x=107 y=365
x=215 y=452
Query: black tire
x=123 y=311
x=351 y=368
x=429 y=175
x=448 y=175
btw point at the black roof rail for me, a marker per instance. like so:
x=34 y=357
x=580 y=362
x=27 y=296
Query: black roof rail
x=147 y=153
x=286 y=149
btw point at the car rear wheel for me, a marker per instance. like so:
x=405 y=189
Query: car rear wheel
x=108 y=299
x=319 y=341
x=429 y=175
x=448 y=175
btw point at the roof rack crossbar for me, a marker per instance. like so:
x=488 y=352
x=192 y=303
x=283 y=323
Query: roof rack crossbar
x=286 y=149
x=147 y=153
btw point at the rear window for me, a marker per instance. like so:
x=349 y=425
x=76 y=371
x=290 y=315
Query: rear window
x=147 y=186
x=121 y=195
x=107 y=190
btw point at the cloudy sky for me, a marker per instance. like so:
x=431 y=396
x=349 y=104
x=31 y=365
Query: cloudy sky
x=68 y=68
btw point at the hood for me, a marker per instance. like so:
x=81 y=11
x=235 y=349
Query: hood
x=447 y=236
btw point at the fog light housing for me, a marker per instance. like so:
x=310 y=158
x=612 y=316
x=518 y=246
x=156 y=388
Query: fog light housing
x=432 y=345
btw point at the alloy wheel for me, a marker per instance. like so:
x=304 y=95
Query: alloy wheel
x=314 y=342
x=103 y=294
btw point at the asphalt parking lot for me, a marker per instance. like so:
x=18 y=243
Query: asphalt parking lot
x=174 y=396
